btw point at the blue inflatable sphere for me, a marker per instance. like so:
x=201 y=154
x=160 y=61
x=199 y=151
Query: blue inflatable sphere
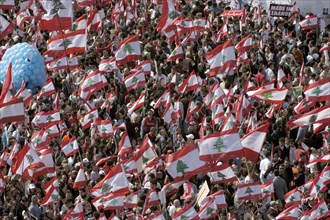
x=27 y=64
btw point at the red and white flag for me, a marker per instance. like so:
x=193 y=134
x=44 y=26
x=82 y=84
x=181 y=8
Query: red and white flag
x=46 y=157
x=128 y=50
x=319 y=210
x=108 y=101
x=58 y=15
x=222 y=174
x=80 y=23
x=189 y=84
x=242 y=57
x=6 y=27
x=326 y=47
x=175 y=54
x=91 y=81
x=280 y=78
x=103 y=128
x=43 y=119
x=220 y=146
x=249 y=191
x=137 y=104
x=146 y=156
x=163 y=100
x=94 y=21
x=130 y=166
x=222 y=32
x=7 y=4
x=131 y=200
x=145 y=66
x=80 y=180
x=253 y=142
x=124 y=144
x=172 y=187
x=275 y=96
x=106 y=65
x=47 y=90
x=52 y=196
x=318 y=186
x=187 y=212
x=294 y=10
x=291 y=213
x=25 y=94
x=75 y=213
x=209 y=210
x=88 y=119
x=50 y=131
x=221 y=58
x=70 y=147
x=185 y=162
x=135 y=80
x=267 y=190
x=63 y=63
x=245 y=44
x=309 y=23
x=115 y=181
x=12 y=111
x=292 y=197
x=318 y=91
x=65 y=44
x=8 y=86
x=200 y=24
x=318 y=115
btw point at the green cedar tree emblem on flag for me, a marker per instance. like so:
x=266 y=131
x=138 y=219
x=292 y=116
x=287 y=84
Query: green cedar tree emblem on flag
x=173 y=52
x=65 y=43
x=183 y=217
x=43 y=90
x=90 y=81
x=287 y=214
x=125 y=167
x=108 y=66
x=36 y=141
x=48 y=131
x=106 y=188
x=209 y=211
x=173 y=14
x=74 y=27
x=181 y=167
x=312 y=118
x=248 y=190
x=222 y=59
x=221 y=175
x=58 y=63
x=128 y=49
x=265 y=191
x=103 y=129
x=317 y=91
x=219 y=145
x=318 y=188
x=267 y=95
x=49 y=118
x=54 y=197
x=292 y=198
x=144 y=160
x=29 y=158
x=135 y=79
x=130 y=199
x=90 y=116
x=198 y=22
x=169 y=189
x=57 y=5
x=3 y=1
x=114 y=202
x=320 y=210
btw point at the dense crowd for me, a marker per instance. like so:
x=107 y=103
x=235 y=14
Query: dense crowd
x=286 y=154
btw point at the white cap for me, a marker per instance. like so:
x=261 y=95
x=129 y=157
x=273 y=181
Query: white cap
x=190 y=136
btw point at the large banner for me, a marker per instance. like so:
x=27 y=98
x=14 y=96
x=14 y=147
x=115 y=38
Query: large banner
x=279 y=10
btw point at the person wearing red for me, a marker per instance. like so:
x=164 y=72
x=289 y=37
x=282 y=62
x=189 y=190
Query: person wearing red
x=148 y=122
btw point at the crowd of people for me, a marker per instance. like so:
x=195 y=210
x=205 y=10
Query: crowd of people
x=284 y=160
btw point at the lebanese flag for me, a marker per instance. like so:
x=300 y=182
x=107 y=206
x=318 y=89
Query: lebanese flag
x=137 y=104
x=58 y=15
x=318 y=115
x=2 y=185
x=88 y=119
x=4 y=157
x=7 y=27
x=217 y=114
x=253 y=142
x=108 y=65
x=187 y=212
x=63 y=63
x=103 y=128
x=221 y=58
x=27 y=159
x=8 y=86
x=124 y=144
x=318 y=91
x=267 y=190
x=128 y=50
x=131 y=200
x=222 y=32
x=80 y=23
x=7 y=4
x=113 y=202
x=222 y=174
x=325 y=175
x=50 y=132
x=280 y=78
x=210 y=95
x=185 y=162
x=201 y=24
x=188 y=191
x=192 y=108
x=129 y=165
x=51 y=197
x=144 y=65
x=294 y=10
x=47 y=90
x=317 y=187
x=242 y=57
x=70 y=147
x=94 y=20
x=12 y=111
x=303 y=106
x=319 y=210
x=158 y=215
x=220 y=199
x=293 y=198
x=152 y=198
x=172 y=187
x=80 y=180
x=249 y=191
x=75 y=213
x=146 y=156
x=189 y=84
x=224 y=145
x=163 y=100
x=245 y=44
x=325 y=48
x=24 y=94
x=46 y=157
x=275 y=96
x=92 y=81
x=218 y=96
x=69 y=43
x=175 y=54
x=135 y=80
x=209 y=210
x=241 y=107
x=309 y=23
x=43 y=119
x=291 y=213
x=306 y=187
x=85 y=2
x=108 y=101
x=115 y=181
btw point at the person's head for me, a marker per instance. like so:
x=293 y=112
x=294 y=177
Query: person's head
x=276 y=172
x=34 y=199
